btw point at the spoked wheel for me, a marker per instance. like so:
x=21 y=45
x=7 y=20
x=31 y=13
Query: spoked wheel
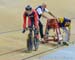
x=29 y=43
x=36 y=44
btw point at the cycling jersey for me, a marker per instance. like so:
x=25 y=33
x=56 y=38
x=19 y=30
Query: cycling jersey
x=32 y=19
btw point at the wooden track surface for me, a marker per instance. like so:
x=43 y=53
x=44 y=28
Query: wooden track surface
x=12 y=41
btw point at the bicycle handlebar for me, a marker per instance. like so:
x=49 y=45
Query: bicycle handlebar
x=27 y=28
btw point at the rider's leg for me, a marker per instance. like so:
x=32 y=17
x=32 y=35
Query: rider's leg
x=66 y=38
x=47 y=30
x=41 y=29
x=58 y=32
x=36 y=33
x=47 y=33
x=36 y=39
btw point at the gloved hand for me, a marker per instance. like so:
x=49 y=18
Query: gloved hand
x=23 y=31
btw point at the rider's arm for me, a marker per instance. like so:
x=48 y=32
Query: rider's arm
x=46 y=10
x=36 y=19
x=69 y=27
x=43 y=15
x=24 y=21
x=51 y=14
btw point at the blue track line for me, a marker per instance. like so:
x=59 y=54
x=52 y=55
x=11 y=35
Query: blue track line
x=63 y=54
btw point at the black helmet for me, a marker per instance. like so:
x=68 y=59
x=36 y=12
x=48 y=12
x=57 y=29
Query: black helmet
x=28 y=8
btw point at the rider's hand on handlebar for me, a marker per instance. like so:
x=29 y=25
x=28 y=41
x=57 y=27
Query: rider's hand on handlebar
x=23 y=31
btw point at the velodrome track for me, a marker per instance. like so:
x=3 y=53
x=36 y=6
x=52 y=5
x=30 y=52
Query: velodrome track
x=13 y=42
